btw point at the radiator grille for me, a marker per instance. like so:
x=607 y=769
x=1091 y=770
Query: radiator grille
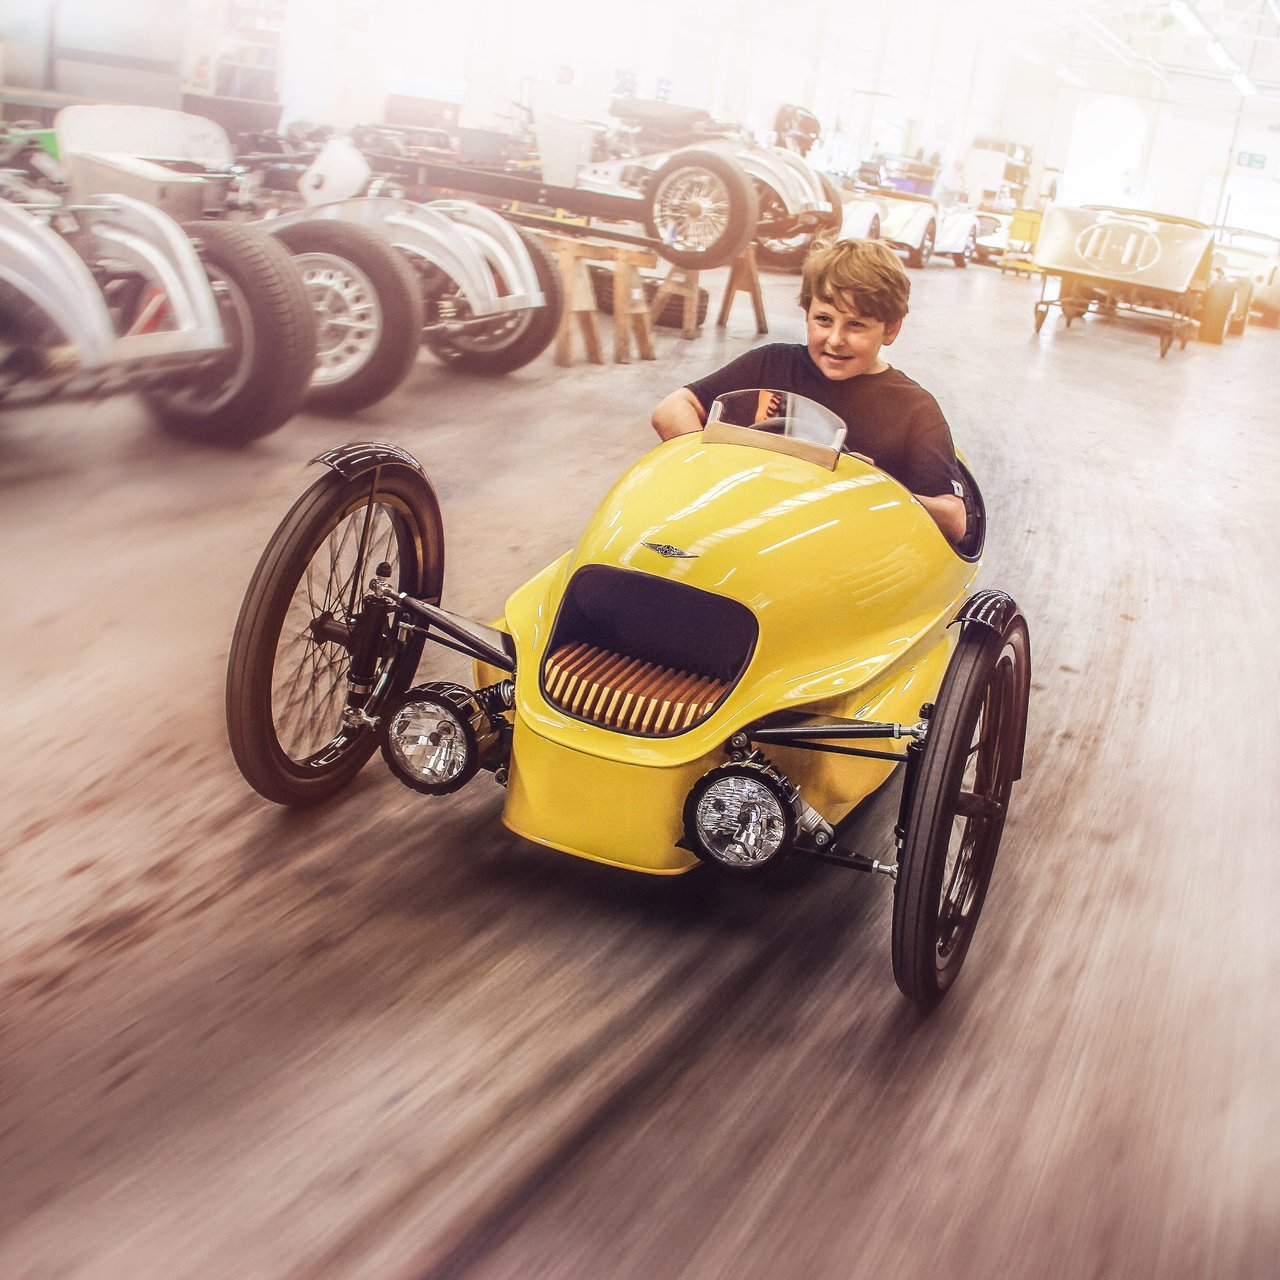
x=628 y=694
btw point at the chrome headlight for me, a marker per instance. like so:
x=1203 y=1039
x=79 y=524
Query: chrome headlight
x=740 y=815
x=434 y=736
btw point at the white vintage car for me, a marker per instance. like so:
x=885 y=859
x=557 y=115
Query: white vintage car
x=1252 y=259
x=921 y=227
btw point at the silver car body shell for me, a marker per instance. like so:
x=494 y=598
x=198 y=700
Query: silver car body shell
x=467 y=242
x=37 y=261
x=796 y=184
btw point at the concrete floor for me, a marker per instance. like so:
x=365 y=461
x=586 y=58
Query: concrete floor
x=389 y=1039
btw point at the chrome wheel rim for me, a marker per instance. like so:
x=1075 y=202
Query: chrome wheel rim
x=691 y=209
x=347 y=312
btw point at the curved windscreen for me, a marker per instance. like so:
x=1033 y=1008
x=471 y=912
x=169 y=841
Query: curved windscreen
x=780 y=413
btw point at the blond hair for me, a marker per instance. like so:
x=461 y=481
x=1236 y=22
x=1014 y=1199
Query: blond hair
x=865 y=276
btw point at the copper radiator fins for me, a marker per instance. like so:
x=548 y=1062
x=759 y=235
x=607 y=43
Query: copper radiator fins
x=627 y=694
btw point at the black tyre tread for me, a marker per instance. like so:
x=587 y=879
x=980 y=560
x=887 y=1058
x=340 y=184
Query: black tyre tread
x=919 y=883
x=399 y=295
x=249 y=668
x=284 y=340
x=672 y=314
x=526 y=344
x=743 y=210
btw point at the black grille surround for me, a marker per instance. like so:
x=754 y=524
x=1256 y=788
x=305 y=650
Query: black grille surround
x=643 y=655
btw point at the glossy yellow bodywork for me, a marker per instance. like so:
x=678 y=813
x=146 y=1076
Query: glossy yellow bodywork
x=851 y=584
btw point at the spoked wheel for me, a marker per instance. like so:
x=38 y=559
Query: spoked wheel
x=297 y=728
x=703 y=209
x=956 y=815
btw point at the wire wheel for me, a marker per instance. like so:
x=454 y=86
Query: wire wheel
x=956 y=814
x=298 y=728
x=702 y=208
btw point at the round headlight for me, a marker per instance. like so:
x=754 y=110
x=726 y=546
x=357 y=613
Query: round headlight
x=431 y=737
x=740 y=815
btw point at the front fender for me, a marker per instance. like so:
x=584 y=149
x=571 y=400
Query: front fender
x=473 y=246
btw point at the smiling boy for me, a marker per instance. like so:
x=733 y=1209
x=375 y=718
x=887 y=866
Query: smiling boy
x=854 y=295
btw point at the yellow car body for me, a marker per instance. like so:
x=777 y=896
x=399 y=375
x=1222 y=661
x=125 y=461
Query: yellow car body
x=851 y=586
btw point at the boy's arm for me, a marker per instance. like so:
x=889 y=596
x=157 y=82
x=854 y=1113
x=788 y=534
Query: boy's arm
x=948 y=514
x=678 y=414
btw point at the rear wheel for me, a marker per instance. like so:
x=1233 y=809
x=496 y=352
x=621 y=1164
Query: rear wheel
x=258 y=382
x=957 y=811
x=367 y=308
x=507 y=341
x=961 y=259
x=702 y=208
x=294 y=722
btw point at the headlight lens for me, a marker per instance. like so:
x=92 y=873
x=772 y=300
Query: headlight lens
x=740 y=815
x=429 y=738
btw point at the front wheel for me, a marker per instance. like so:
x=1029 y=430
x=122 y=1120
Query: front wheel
x=956 y=813
x=367 y=307
x=297 y=727
x=962 y=258
x=259 y=380
x=507 y=341
x=702 y=208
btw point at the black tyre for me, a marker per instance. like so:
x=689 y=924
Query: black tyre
x=289 y=708
x=672 y=314
x=1215 y=309
x=956 y=816
x=920 y=255
x=259 y=382
x=505 y=342
x=961 y=259
x=702 y=208
x=367 y=307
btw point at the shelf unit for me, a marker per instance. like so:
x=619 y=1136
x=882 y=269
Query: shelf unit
x=993 y=163
x=247 y=61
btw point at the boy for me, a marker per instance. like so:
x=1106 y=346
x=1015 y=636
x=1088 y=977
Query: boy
x=854 y=294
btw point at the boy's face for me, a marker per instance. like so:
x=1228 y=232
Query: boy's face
x=844 y=343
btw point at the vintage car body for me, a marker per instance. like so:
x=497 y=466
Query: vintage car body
x=1115 y=262
x=692 y=682
x=1252 y=259
x=497 y=283
x=863 y=641
x=111 y=295
x=920 y=227
x=993 y=235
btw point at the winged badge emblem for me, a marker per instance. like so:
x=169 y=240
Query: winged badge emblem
x=672 y=553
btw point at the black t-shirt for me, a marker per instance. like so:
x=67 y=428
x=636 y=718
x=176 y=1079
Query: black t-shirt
x=891 y=419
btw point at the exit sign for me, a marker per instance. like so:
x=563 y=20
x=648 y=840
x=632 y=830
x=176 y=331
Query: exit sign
x=1251 y=160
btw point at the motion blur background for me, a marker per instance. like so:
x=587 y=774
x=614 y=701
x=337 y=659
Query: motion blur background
x=388 y=1039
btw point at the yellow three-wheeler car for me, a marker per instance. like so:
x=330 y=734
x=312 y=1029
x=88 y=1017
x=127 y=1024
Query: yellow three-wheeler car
x=754 y=630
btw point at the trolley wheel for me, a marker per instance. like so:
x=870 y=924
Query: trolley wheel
x=956 y=813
